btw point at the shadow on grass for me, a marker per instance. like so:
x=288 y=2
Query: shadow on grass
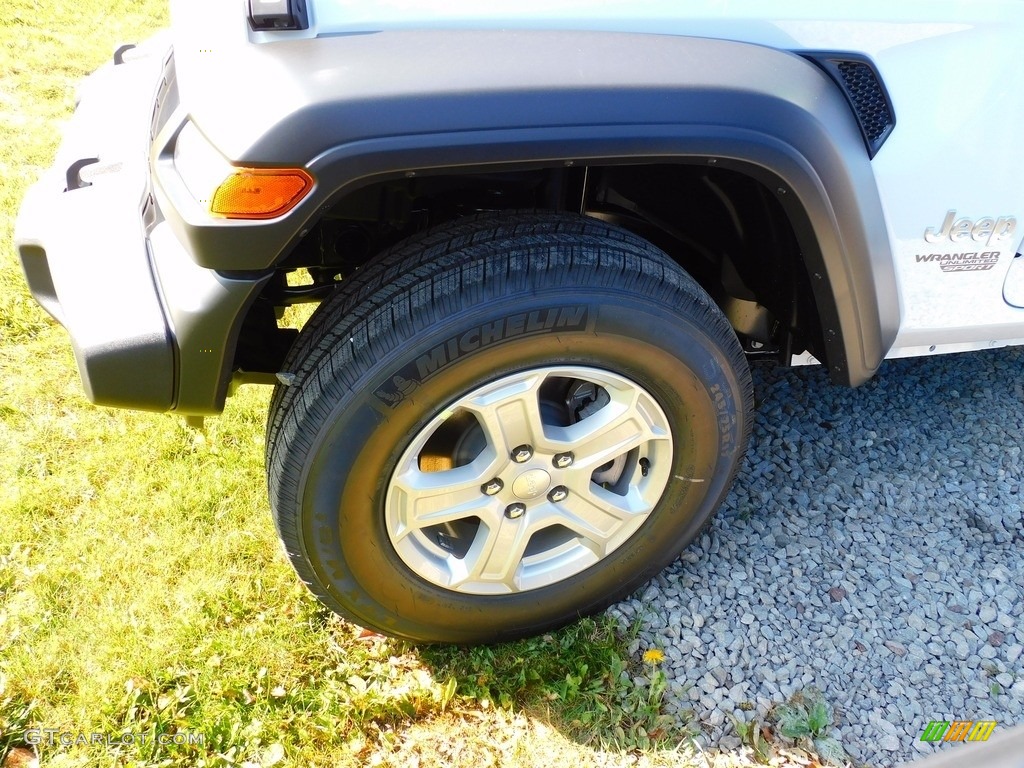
x=580 y=679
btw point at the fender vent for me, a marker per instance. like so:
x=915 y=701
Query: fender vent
x=857 y=77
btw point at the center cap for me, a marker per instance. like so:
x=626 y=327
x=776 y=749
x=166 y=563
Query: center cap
x=531 y=484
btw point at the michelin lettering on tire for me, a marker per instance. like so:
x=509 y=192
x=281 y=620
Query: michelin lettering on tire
x=550 y=320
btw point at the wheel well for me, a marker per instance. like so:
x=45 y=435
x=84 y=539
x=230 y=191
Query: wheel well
x=725 y=228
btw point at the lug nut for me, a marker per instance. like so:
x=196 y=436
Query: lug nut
x=563 y=460
x=558 y=493
x=522 y=454
x=515 y=511
x=492 y=487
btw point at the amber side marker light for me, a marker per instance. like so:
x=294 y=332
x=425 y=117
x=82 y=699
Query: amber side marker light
x=260 y=193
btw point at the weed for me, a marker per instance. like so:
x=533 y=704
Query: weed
x=806 y=719
x=755 y=736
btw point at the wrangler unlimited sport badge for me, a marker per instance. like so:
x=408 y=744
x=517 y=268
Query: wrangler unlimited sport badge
x=987 y=232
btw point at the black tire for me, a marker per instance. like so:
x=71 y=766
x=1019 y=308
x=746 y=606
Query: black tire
x=382 y=358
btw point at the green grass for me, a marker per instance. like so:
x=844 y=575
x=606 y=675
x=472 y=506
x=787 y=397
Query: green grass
x=142 y=587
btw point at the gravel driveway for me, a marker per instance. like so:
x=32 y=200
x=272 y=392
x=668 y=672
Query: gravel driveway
x=873 y=547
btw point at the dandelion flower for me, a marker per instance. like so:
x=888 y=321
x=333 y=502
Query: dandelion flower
x=654 y=656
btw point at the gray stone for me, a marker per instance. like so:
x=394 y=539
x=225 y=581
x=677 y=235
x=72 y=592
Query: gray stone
x=709 y=683
x=897 y=648
x=890 y=743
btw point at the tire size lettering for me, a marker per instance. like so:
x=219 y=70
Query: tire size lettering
x=726 y=420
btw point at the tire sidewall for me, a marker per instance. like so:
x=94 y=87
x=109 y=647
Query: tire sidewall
x=350 y=460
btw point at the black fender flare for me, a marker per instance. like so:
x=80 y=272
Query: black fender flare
x=362 y=108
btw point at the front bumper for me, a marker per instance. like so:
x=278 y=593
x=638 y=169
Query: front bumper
x=151 y=330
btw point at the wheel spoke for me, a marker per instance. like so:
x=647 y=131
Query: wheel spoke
x=509 y=414
x=598 y=515
x=495 y=554
x=423 y=499
x=627 y=422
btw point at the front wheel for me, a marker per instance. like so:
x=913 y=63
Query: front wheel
x=508 y=423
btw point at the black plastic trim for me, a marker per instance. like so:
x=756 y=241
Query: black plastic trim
x=83 y=244
x=121 y=51
x=835 y=64
x=73 y=175
x=277 y=15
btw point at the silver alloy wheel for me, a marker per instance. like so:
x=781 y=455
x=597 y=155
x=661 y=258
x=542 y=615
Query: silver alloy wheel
x=509 y=490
